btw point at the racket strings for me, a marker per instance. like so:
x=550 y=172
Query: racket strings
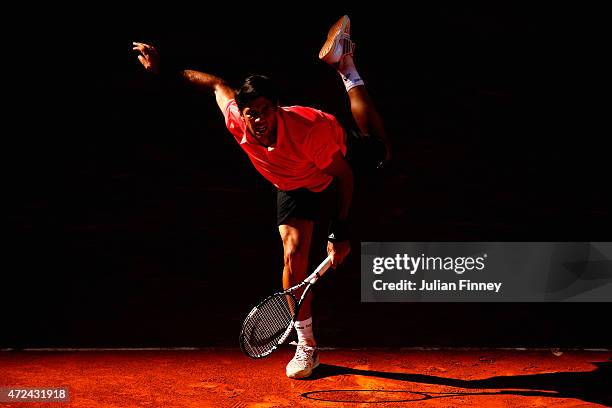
x=264 y=327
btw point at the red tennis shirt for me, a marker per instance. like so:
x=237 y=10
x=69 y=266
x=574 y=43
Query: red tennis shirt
x=306 y=140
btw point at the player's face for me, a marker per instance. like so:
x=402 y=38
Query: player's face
x=260 y=118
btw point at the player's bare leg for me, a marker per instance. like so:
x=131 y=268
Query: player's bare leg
x=297 y=235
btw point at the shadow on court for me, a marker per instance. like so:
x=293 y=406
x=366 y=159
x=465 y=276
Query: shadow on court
x=591 y=386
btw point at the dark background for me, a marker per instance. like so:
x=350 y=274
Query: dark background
x=136 y=220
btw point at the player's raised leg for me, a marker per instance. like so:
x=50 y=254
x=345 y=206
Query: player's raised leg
x=338 y=51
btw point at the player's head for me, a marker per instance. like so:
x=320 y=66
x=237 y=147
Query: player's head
x=257 y=99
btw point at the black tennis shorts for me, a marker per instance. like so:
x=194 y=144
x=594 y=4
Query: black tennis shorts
x=364 y=154
x=305 y=204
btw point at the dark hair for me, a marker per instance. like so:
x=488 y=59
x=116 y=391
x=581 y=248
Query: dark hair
x=256 y=86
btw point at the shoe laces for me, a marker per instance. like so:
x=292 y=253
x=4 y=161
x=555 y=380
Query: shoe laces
x=348 y=47
x=304 y=353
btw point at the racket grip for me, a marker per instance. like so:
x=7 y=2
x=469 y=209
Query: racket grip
x=321 y=269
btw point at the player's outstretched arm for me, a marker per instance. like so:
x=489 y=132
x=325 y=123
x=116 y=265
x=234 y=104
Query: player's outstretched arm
x=150 y=60
x=223 y=92
x=338 y=245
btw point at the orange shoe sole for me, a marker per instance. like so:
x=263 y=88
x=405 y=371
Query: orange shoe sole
x=330 y=44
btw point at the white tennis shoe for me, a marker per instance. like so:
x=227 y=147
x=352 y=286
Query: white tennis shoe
x=338 y=42
x=305 y=360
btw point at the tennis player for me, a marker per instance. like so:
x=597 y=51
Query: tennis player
x=303 y=153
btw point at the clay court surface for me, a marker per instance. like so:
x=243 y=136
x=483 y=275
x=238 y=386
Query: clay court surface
x=375 y=377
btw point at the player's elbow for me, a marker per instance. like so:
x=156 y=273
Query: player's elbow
x=345 y=176
x=339 y=168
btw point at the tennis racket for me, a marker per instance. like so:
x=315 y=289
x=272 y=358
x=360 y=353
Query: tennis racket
x=270 y=323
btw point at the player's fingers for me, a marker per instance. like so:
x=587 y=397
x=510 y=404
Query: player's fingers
x=341 y=255
x=333 y=259
x=144 y=48
x=142 y=60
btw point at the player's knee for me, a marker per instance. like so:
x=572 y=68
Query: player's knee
x=293 y=253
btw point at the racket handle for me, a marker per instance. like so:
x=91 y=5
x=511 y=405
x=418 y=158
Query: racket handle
x=321 y=269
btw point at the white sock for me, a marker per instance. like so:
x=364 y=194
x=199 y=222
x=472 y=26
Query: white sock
x=348 y=73
x=304 y=331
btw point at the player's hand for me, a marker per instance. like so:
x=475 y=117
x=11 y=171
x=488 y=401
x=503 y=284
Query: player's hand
x=148 y=56
x=338 y=251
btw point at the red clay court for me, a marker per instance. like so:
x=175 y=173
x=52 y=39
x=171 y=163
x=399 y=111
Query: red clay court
x=346 y=377
x=135 y=220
